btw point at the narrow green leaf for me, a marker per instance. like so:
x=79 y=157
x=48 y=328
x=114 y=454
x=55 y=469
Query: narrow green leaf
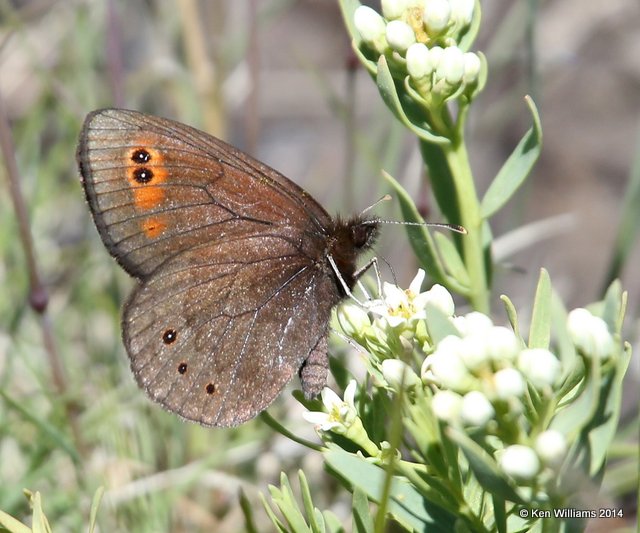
x=612 y=307
x=601 y=436
x=309 y=509
x=421 y=241
x=40 y=523
x=439 y=324
x=332 y=522
x=499 y=513
x=11 y=524
x=484 y=467
x=405 y=504
x=512 y=314
x=95 y=505
x=515 y=169
x=288 y=506
x=451 y=259
x=272 y=516
x=540 y=331
x=389 y=93
x=362 y=520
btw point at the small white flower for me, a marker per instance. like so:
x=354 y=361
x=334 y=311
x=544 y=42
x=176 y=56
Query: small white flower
x=502 y=344
x=340 y=414
x=393 y=371
x=476 y=409
x=370 y=25
x=418 y=61
x=519 y=462
x=472 y=67
x=353 y=320
x=400 y=35
x=446 y=365
x=540 y=367
x=590 y=333
x=447 y=405
x=509 y=383
x=394 y=9
x=551 y=447
x=436 y=15
x=441 y=298
x=451 y=65
x=401 y=307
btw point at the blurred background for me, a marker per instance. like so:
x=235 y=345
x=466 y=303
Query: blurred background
x=276 y=78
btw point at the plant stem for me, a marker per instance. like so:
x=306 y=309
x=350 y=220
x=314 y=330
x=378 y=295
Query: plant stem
x=473 y=253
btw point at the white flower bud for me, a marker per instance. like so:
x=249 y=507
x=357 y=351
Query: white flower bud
x=590 y=333
x=474 y=322
x=451 y=65
x=393 y=371
x=472 y=67
x=353 y=320
x=509 y=383
x=400 y=35
x=436 y=15
x=519 y=462
x=370 y=25
x=502 y=344
x=551 y=447
x=446 y=366
x=476 y=409
x=462 y=11
x=394 y=9
x=446 y=405
x=435 y=55
x=540 y=367
x=441 y=298
x=473 y=351
x=418 y=61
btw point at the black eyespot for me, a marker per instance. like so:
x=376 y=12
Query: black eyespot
x=210 y=388
x=141 y=156
x=169 y=336
x=182 y=368
x=142 y=175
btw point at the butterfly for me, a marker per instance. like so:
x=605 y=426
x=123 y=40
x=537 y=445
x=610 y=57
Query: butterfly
x=237 y=267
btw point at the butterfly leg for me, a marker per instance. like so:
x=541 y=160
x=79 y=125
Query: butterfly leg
x=313 y=372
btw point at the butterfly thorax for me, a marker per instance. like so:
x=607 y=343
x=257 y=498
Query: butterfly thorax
x=348 y=239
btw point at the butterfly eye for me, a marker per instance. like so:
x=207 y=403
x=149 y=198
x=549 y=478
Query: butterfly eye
x=210 y=388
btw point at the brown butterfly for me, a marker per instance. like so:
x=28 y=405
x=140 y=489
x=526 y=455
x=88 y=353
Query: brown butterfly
x=238 y=268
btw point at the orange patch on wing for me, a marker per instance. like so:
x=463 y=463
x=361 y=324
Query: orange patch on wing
x=146 y=175
x=153 y=226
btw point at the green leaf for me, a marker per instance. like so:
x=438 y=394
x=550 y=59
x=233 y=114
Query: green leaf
x=613 y=307
x=515 y=169
x=484 y=467
x=389 y=93
x=421 y=241
x=317 y=526
x=95 y=505
x=247 y=511
x=405 y=504
x=512 y=314
x=362 y=520
x=451 y=258
x=11 y=524
x=285 y=501
x=540 y=331
x=439 y=324
x=608 y=414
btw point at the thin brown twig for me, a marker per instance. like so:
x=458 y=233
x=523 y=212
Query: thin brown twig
x=38 y=294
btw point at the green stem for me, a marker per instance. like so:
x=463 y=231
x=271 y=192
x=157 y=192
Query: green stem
x=469 y=217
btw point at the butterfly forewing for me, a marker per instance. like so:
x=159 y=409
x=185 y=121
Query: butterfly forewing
x=157 y=187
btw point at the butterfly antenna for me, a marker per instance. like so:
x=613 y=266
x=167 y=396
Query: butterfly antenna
x=453 y=227
x=385 y=198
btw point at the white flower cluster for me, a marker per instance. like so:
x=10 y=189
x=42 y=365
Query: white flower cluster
x=424 y=36
x=590 y=334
